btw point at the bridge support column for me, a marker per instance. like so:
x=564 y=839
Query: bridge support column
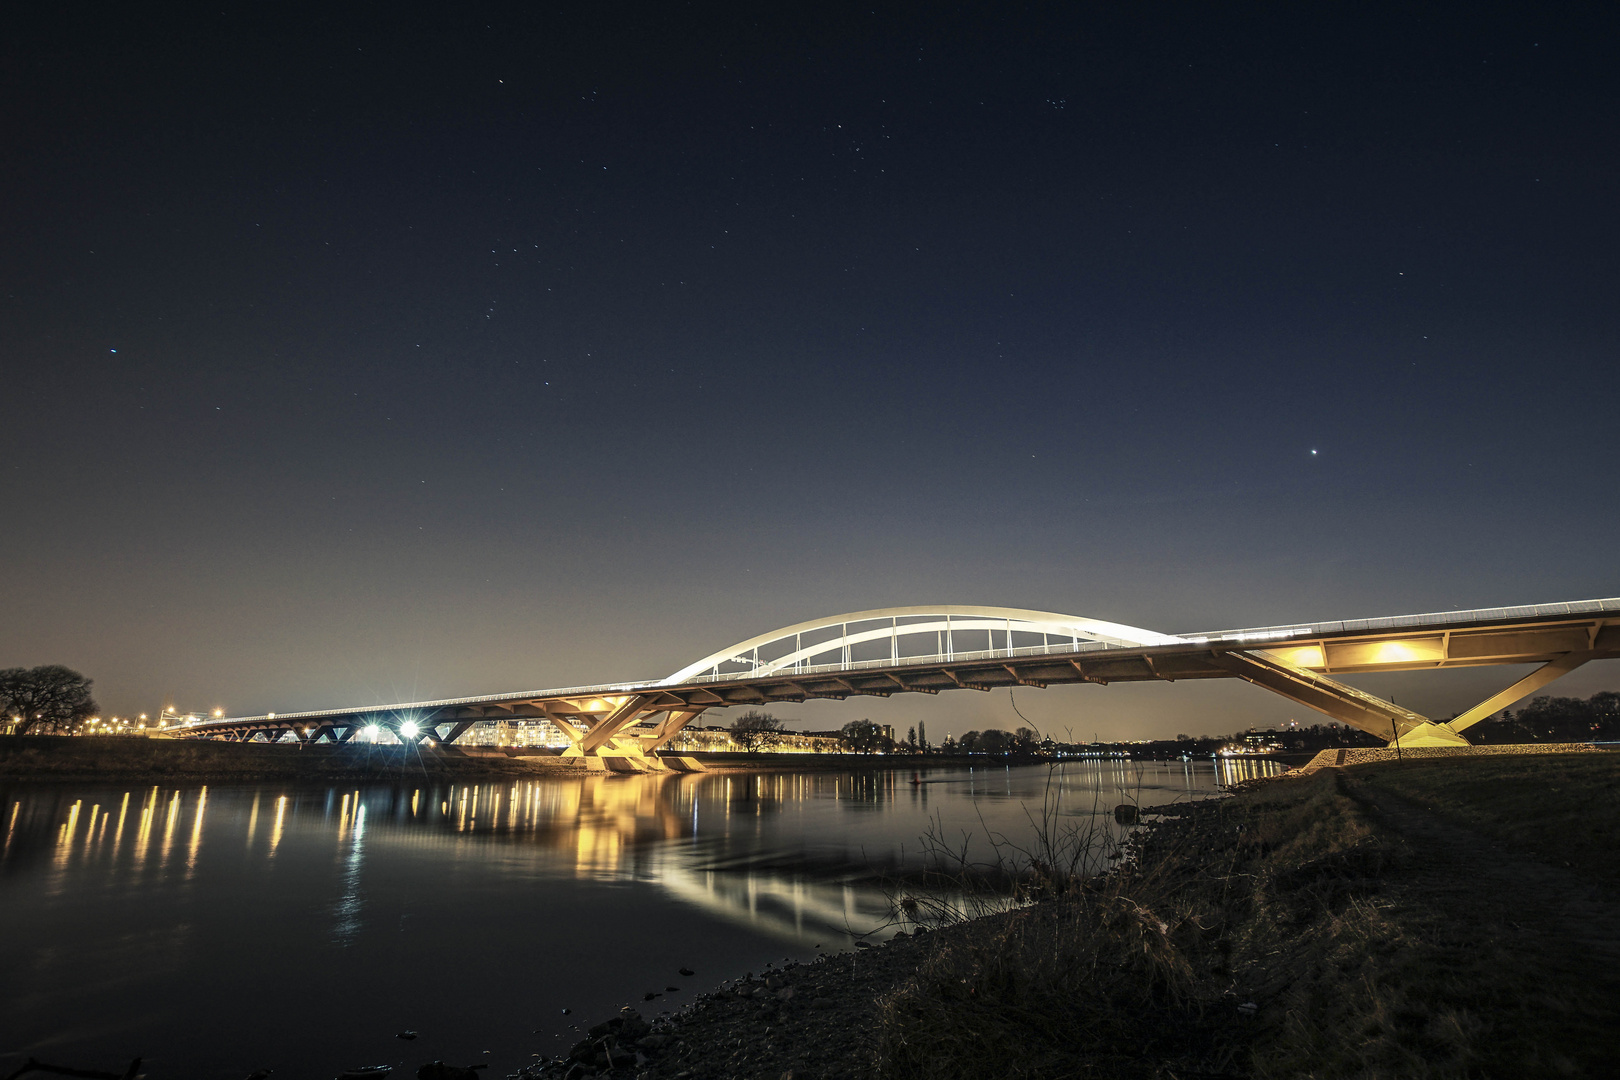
x=1344 y=703
x=569 y=731
x=457 y=730
x=603 y=731
x=605 y=744
x=668 y=728
x=1526 y=686
x=1373 y=714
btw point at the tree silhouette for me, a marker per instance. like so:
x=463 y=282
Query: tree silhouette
x=755 y=730
x=46 y=698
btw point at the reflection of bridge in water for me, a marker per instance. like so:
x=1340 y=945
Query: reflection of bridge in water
x=703 y=840
x=933 y=649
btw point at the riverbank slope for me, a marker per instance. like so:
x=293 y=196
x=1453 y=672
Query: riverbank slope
x=1450 y=917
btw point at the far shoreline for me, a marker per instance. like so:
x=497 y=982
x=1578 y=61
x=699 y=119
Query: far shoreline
x=81 y=759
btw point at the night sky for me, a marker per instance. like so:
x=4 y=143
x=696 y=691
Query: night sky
x=399 y=353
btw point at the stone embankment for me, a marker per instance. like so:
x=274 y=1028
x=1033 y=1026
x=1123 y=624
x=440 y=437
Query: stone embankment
x=1371 y=756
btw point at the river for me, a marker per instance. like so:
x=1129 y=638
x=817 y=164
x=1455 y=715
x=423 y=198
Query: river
x=215 y=931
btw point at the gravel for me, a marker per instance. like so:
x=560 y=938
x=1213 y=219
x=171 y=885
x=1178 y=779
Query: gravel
x=814 y=1021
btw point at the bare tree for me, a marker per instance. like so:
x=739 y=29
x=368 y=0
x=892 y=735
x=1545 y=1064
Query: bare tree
x=46 y=698
x=755 y=730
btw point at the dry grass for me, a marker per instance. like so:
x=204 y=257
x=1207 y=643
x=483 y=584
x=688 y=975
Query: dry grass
x=1557 y=807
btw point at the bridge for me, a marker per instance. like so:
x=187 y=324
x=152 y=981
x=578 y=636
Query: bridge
x=928 y=650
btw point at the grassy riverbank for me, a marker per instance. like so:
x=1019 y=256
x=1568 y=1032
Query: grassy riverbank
x=1450 y=918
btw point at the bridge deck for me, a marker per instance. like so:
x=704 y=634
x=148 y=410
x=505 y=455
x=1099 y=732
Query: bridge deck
x=1521 y=635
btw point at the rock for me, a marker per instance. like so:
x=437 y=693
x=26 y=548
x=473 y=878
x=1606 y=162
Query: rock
x=628 y=1025
x=1248 y=1008
x=688 y=972
x=654 y=1042
x=406 y=1035
x=649 y=995
x=772 y=983
x=785 y=994
x=566 y=1012
x=863 y=944
x=823 y=1003
x=438 y=1070
x=672 y=989
x=1127 y=814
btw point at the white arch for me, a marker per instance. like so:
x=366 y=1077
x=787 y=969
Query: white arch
x=948 y=618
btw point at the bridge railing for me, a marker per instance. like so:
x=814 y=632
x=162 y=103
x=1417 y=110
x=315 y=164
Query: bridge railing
x=1407 y=622
x=956 y=656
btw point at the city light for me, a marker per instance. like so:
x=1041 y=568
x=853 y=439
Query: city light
x=408 y=729
x=371 y=731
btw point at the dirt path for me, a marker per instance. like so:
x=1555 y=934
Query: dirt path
x=1552 y=933
x=1472 y=867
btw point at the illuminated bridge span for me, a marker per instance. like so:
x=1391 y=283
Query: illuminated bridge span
x=929 y=649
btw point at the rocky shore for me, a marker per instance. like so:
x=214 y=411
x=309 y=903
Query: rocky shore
x=814 y=1021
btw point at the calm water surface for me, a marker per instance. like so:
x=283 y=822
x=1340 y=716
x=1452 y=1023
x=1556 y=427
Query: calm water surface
x=219 y=930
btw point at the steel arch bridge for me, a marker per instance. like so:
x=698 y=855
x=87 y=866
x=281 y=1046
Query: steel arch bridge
x=932 y=649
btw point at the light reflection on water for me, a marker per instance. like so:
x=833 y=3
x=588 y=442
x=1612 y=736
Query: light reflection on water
x=153 y=910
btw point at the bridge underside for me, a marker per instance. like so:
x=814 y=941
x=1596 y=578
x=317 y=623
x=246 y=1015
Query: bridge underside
x=632 y=723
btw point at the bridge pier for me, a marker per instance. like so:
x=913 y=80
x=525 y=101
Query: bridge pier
x=457 y=730
x=1346 y=704
x=1373 y=714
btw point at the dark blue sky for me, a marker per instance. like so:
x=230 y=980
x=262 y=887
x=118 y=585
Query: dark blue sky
x=426 y=351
